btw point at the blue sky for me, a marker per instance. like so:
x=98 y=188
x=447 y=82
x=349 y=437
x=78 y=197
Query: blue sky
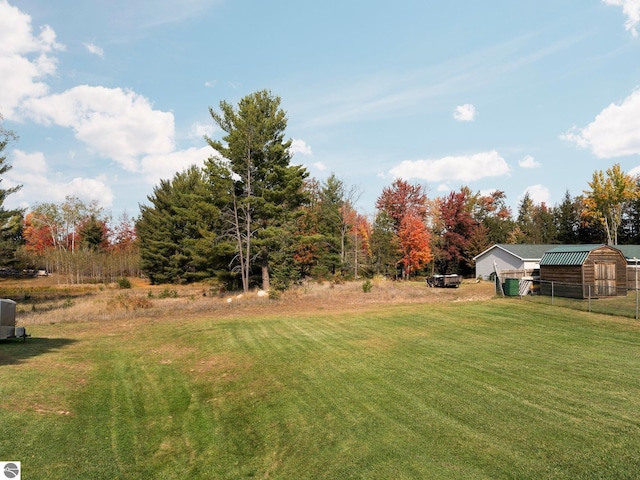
x=110 y=97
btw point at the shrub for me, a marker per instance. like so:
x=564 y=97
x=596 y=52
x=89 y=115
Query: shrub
x=274 y=294
x=124 y=283
x=126 y=302
x=166 y=293
x=366 y=286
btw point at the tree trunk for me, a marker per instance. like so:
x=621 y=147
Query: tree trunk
x=241 y=257
x=265 y=277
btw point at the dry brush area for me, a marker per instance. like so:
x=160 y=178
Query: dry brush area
x=42 y=301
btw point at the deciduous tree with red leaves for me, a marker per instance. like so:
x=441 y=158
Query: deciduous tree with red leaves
x=37 y=235
x=406 y=205
x=402 y=199
x=458 y=228
x=124 y=237
x=414 y=243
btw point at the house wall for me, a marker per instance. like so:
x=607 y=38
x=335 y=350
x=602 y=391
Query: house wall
x=504 y=261
x=532 y=265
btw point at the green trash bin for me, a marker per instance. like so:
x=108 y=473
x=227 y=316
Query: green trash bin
x=511 y=287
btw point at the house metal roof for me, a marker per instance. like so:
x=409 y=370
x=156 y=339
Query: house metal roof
x=631 y=252
x=522 y=251
x=563 y=254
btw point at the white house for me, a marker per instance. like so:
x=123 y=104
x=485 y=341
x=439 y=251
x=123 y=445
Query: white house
x=502 y=256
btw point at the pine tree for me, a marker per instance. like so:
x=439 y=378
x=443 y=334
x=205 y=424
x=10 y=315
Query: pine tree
x=93 y=235
x=267 y=191
x=10 y=219
x=330 y=226
x=566 y=217
x=177 y=231
x=385 y=249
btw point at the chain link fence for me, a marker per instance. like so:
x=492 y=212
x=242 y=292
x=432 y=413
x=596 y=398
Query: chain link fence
x=596 y=298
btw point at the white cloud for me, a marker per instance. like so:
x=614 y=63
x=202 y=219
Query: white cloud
x=24 y=59
x=320 y=166
x=538 y=193
x=529 y=162
x=465 y=168
x=114 y=123
x=199 y=130
x=165 y=166
x=465 y=113
x=94 y=49
x=614 y=132
x=301 y=147
x=631 y=9
x=487 y=192
x=443 y=187
x=39 y=184
x=210 y=84
x=635 y=171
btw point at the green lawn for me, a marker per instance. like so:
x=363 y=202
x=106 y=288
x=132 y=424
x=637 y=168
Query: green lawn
x=490 y=390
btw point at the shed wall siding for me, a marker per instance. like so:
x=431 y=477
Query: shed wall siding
x=578 y=281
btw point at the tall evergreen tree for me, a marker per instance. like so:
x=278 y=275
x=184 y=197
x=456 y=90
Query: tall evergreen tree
x=385 y=245
x=330 y=225
x=10 y=219
x=535 y=222
x=93 y=234
x=494 y=215
x=544 y=230
x=177 y=230
x=525 y=221
x=566 y=218
x=267 y=190
x=308 y=248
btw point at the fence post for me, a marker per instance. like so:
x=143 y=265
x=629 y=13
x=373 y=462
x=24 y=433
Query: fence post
x=589 y=298
x=551 y=292
x=636 y=285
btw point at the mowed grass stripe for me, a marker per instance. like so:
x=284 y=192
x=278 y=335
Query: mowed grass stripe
x=467 y=341
x=500 y=389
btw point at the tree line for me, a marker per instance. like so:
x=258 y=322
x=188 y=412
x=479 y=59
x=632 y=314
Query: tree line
x=250 y=218
x=77 y=241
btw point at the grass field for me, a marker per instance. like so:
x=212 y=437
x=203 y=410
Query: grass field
x=485 y=389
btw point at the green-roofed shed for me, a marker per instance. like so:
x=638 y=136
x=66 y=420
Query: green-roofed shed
x=582 y=271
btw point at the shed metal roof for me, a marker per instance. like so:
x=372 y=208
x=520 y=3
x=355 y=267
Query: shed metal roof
x=569 y=255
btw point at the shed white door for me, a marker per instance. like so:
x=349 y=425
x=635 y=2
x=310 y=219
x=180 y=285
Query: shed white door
x=605 y=279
